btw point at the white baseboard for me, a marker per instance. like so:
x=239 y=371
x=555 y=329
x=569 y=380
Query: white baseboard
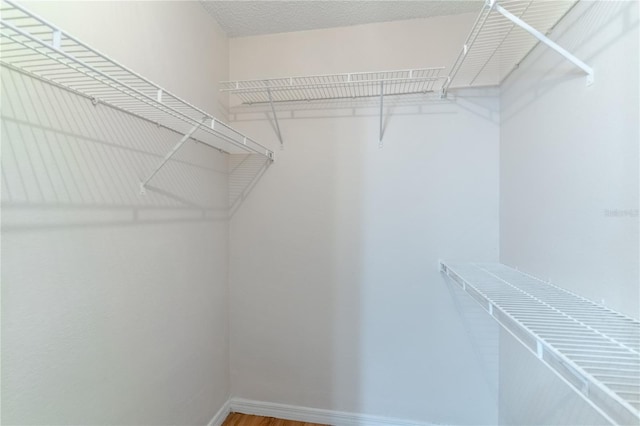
x=221 y=415
x=314 y=415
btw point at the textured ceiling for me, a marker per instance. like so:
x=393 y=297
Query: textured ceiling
x=245 y=18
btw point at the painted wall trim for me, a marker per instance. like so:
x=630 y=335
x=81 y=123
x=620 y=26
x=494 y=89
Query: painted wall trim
x=221 y=415
x=314 y=415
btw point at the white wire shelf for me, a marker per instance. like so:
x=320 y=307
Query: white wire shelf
x=594 y=349
x=496 y=45
x=38 y=48
x=335 y=86
x=377 y=84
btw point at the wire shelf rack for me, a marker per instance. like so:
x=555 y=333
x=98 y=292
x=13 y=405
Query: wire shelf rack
x=594 y=349
x=38 y=48
x=496 y=45
x=336 y=86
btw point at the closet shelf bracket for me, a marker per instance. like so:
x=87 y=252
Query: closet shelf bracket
x=544 y=39
x=381 y=114
x=503 y=35
x=171 y=153
x=275 y=118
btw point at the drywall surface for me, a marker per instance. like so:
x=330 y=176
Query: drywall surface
x=569 y=188
x=569 y=159
x=418 y=43
x=336 y=298
x=114 y=305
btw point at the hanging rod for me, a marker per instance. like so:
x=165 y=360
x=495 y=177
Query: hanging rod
x=501 y=37
x=592 y=348
x=39 y=48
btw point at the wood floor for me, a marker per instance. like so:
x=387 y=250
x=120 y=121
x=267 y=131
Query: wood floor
x=237 y=419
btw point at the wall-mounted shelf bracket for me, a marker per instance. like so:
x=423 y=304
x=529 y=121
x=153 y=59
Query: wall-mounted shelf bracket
x=501 y=38
x=381 y=114
x=493 y=4
x=171 y=153
x=443 y=90
x=275 y=118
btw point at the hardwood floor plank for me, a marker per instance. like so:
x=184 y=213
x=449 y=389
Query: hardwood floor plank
x=237 y=419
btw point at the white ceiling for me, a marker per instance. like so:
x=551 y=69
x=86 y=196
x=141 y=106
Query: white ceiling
x=244 y=18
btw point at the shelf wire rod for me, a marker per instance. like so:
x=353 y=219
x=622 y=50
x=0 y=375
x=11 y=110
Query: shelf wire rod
x=314 y=87
x=171 y=153
x=114 y=85
x=576 y=370
x=344 y=91
x=140 y=98
x=573 y=367
x=549 y=306
x=78 y=43
x=246 y=98
x=540 y=14
x=573 y=336
x=296 y=94
x=585 y=300
x=301 y=85
x=544 y=39
x=473 y=34
x=322 y=88
x=505 y=37
x=593 y=347
x=41 y=47
x=540 y=322
x=406 y=83
x=309 y=88
x=257 y=149
x=330 y=89
x=84 y=95
x=336 y=90
x=599 y=365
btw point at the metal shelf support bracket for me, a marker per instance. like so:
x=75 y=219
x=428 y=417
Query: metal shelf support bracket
x=544 y=39
x=171 y=153
x=381 y=114
x=275 y=118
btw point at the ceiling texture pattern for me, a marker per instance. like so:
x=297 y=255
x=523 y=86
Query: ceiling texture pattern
x=246 y=18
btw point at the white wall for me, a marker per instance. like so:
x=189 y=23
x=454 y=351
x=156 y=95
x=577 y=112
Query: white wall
x=336 y=299
x=568 y=156
x=114 y=306
x=416 y=43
